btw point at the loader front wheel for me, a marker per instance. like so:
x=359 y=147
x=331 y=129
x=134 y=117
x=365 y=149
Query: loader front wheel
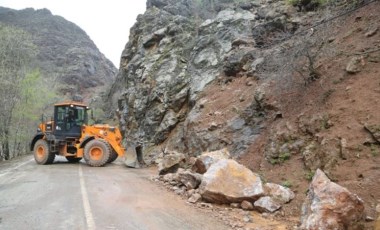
x=41 y=153
x=97 y=153
x=113 y=157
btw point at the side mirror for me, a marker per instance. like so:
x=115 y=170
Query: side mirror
x=92 y=114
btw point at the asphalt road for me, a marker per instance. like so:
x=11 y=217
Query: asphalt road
x=76 y=196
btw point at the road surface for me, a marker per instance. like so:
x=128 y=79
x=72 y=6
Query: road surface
x=76 y=196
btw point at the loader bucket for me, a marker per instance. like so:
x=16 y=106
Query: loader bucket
x=133 y=157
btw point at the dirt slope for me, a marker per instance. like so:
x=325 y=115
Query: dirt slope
x=349 y=101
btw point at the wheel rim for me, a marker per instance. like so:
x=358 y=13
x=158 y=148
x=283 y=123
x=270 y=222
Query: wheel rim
x=96 y=153
x=40 y=151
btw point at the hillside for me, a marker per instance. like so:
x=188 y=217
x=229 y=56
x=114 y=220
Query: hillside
x=66 y=55
x=285 y=89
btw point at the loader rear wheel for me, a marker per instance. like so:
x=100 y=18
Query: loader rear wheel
x=113 y=157
x=73 y=159
x=41 y=153
x=97 y=153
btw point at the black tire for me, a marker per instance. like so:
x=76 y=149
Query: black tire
x=41 y=153
x=97 y=153
x=73 y=159
x=113 y=157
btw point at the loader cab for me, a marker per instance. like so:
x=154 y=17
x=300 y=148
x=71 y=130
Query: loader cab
x=68 y=119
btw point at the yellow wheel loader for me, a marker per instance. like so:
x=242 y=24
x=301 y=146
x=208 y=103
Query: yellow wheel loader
x=68 y=134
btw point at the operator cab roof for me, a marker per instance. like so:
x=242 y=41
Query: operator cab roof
x=68 y=103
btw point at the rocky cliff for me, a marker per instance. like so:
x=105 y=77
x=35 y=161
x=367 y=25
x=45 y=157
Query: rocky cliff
x=176 y=49
x=66 y=57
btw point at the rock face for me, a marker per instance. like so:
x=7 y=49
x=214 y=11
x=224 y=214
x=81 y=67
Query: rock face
x=226 y=182
x=65 y=52
x=175 y=49
x=330 y=206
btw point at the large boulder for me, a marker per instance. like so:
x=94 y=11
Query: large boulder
x=204 y=161
x=170 y=163
x=227 y=181
x=330 y=206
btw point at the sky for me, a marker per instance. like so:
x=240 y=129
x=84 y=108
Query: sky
x=106 y=22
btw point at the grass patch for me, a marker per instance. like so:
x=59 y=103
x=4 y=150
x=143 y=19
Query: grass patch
x=375 y=150
x=309 y=175
x=287 y=184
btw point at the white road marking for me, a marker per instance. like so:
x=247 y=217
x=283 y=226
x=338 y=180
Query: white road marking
x=7 y=171
x=86 y=203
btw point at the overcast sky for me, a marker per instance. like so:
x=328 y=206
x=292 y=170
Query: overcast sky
x=106 y=22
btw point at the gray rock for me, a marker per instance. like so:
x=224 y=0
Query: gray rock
x=195 y=198
x=266 y=204
x=330 y=206
x=374 y=130
x=170 y=163
x=190 y=192
x=247 y=219
x=190 y=180
x=237 y=124
x=257 y=62
x=226 y=181
x=371 y=32
x=279 y=193
x=354 y=65
x=235 y=205
x=168 y=177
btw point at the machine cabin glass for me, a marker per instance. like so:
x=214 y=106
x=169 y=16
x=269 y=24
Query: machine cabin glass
x=69 y=119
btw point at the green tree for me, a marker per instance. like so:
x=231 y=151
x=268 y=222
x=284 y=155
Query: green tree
x=34 y=95
x=16 y=55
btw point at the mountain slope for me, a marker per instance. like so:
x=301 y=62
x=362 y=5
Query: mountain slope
x=66 y=53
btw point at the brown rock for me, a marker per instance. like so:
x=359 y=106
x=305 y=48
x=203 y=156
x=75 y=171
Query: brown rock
x=205 y=160
x=330 y=206
x=246 y=205
x=195 y=198
x=279 y=193
x=227 y=181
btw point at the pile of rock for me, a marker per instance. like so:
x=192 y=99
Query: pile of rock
x=215 y=178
